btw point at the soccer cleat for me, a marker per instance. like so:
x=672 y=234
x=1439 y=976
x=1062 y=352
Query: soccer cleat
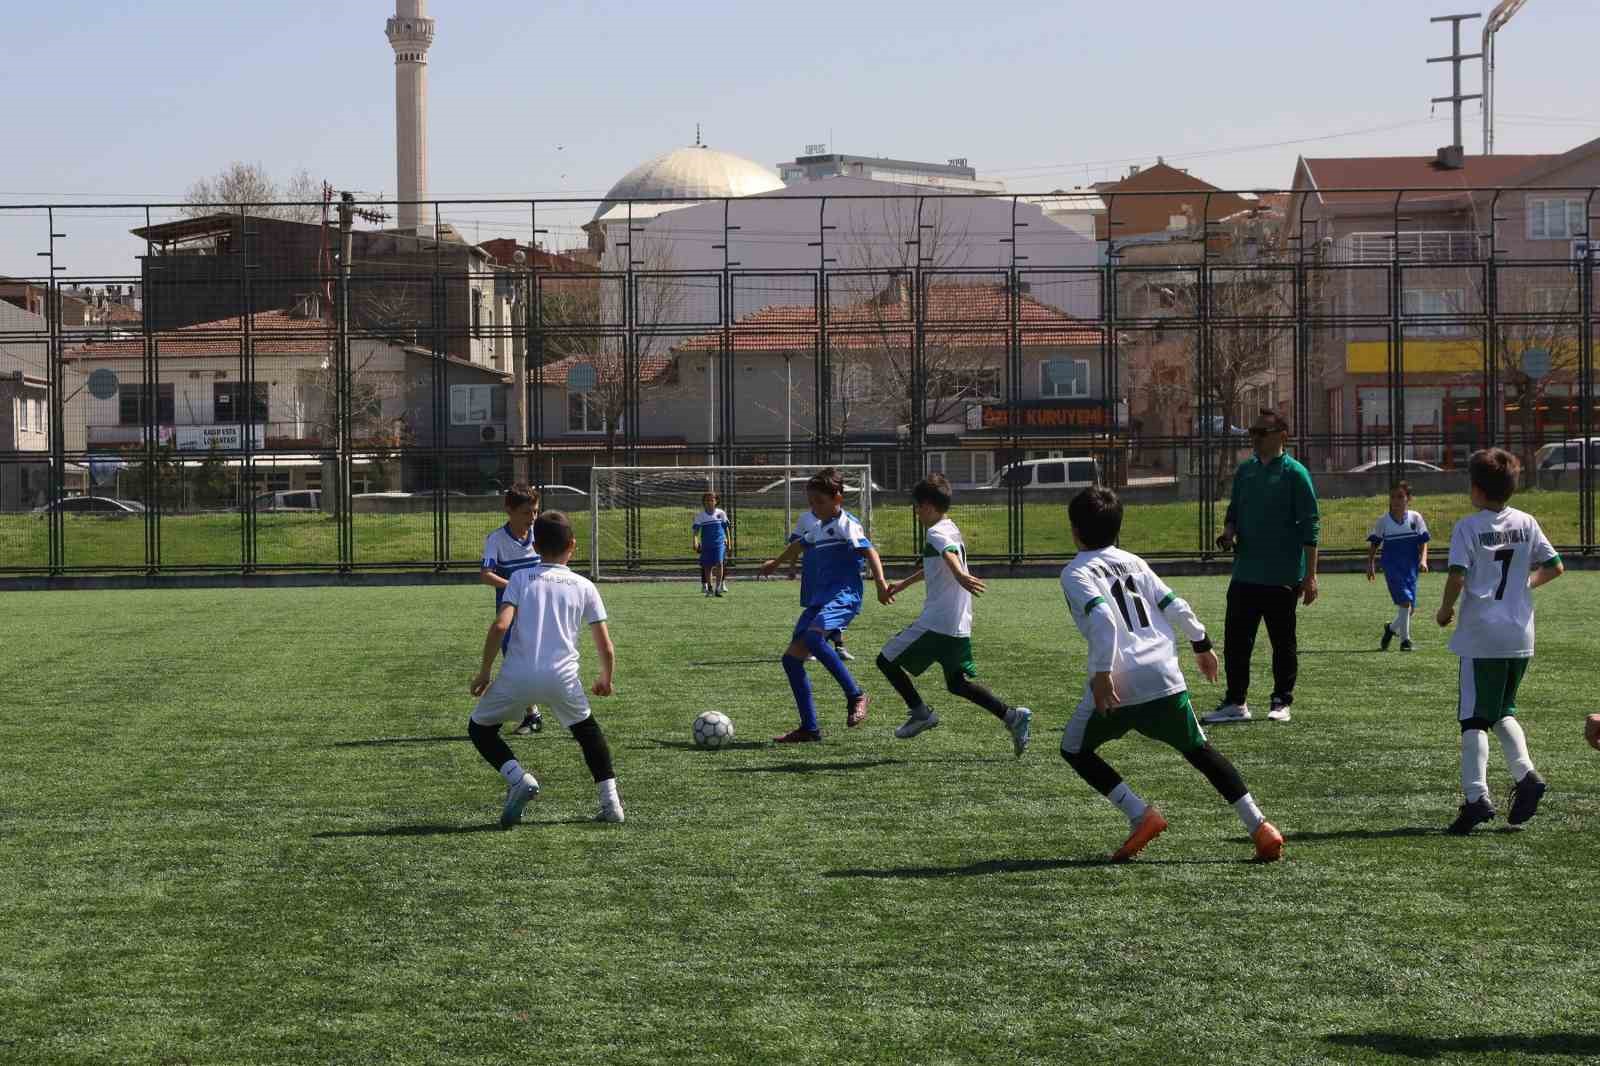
x=844 y=653
x=1279 y=711
x=1405 y=645
x=610 y=812
x=1019 y=726
x=532 y=722
x=857 y=712
x=1471 y=814
x=718 y=594
x=1228 y=711
x=916 y=723
x=1525 y=797
x=1149 y=826
x=1268 y=841
x=517 y=797
x=799 y=736
x=1388 y=637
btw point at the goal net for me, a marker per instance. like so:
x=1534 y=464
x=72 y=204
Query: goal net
x=641 y=517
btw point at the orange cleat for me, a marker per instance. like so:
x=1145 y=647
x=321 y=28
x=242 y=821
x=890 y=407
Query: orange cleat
x=856 y=713
x=1269 y=842
x=1150 y=825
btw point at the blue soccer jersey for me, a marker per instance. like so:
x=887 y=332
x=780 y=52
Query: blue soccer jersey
x=504 y=555
x=831 y=565
x=712 y=528
x=1401 y=552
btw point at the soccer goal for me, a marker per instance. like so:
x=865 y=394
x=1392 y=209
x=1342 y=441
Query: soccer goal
x=641 y=517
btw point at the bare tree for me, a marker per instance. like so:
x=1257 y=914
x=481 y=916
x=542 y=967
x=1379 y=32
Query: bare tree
x=241 y=183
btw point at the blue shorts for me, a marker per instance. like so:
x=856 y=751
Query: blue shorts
x=1402 y=588
x=837 y=613
x=713 y=554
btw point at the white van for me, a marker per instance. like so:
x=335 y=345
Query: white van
x=1567 y=455
x=1067 y=472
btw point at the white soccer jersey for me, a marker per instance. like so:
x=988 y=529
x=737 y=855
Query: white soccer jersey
x=1497 y=549
x=1122 y=609
x=504 y=554
x=948 y=608
x=553 y=605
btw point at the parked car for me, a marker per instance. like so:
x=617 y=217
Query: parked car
x=1567 y=455
x=1069 y=472
x=103 y=506
x=1219 y=427
x=1405 y=466
x=297 y=500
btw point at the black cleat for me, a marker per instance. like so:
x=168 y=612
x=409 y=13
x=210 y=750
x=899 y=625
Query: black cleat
x=1388 y=636
x=1525 y=798
x=1472 y=814
x=1405 y=645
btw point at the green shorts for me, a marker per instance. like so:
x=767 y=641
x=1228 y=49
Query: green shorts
x=915 y=648
x=1169 y=719
x=1489 y=688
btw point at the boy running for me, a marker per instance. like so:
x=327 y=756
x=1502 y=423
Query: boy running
x=1402 y=536
x=831 y=543
x=507 y=550
x=1127 y=614
x=711 y=544
x=943 y=632
x=551 y=604
x=1498 y=556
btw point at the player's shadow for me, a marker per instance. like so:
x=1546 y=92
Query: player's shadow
x=1365 y=834
x=1010 y=866
x=1434 y=1047
x=813 y=767
x=378 y=742
x=685 y=745
x=442 y=830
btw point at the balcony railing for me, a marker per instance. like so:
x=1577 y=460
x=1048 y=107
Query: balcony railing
x=1413 y=246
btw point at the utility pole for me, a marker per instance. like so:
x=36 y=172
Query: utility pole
x=1455 y=59
x=1497 y=19
x=519 y=367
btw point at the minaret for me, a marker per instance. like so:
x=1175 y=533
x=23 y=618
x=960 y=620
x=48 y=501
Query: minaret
x=410 y=33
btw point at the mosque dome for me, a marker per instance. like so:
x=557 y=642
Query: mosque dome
x=696 y=172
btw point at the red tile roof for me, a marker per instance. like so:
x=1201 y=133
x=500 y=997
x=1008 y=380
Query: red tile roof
x=962 y=316
x=273 y=333
x=651 y=367
x=1414 y=172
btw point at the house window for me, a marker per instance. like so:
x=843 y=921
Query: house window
x=935 y=462
x=1419 y=302
x=134 y=404
x=477 y=405
x=1064 y=378
x=22 y=419
x=584 y=413
x=228 y=402
x=1555 y=218
x=38 y=416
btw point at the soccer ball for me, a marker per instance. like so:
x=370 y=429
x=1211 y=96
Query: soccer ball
x=713 y=729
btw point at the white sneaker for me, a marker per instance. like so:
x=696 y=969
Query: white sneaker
x=610 y=812
x=517 y=797
x=844 y=653
x=916 y=723
x=1279 y=712
x=1228 y=712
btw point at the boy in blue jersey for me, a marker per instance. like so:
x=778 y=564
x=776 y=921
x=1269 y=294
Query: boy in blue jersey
x=507 y=550
x=1401 y=535
x=711 y=544
x=831 y=544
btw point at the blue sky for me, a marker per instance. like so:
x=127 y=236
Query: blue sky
x=133 y=101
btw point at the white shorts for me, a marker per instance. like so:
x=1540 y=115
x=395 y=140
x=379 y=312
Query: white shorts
x=509 y=695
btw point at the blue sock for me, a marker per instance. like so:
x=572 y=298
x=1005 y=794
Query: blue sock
x=817 y=642
x=796 y=669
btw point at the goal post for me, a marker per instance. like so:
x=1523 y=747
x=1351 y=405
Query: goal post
x=640 y=517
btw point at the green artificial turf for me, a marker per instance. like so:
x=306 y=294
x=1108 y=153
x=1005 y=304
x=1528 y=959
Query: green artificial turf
x=287 y=540
x=245 y=826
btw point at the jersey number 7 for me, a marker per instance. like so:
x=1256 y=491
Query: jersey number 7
x=1503 y=557
x=1138 y=603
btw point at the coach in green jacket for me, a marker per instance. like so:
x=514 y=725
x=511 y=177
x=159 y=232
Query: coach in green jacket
x=1272 y=528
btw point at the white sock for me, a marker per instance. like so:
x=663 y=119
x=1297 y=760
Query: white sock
x=1475 y=764
x=1402 y=623
x=512 y=771
x=1249 y=813
x=608 y=791
x=1128 y=802
x=1515 y=746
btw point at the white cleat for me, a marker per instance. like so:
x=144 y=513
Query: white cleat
x=610 y=812
x=916 y=723
x=1228 y=712
x=517 y=797
x=1279 y=712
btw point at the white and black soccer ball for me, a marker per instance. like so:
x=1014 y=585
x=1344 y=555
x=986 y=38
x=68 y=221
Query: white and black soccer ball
x=713 y=729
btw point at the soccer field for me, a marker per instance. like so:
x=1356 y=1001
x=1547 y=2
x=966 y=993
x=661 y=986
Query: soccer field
x=245 y=826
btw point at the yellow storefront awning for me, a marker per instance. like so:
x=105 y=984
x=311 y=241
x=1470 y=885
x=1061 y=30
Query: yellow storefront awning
x=1421 y=357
